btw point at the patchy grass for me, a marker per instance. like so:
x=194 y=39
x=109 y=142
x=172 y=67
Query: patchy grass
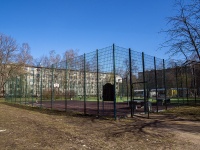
x=190 y=112
x=23 y=127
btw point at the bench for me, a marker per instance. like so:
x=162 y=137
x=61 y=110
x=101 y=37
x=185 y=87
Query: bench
x=140 y=103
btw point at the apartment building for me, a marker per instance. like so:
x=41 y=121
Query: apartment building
x=37 y=80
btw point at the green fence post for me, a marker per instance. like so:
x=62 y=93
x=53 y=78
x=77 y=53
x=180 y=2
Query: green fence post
x=144 y=83
x=182 y=94
x=131 y=85
x=164 y=83
x=14 y=94
x=156 y=83
x=26 y=90
x=66 y=82
x=41 y=88
x=5 y=90
x=33 y=86
x=186 y=80
x=15 y=89
x=13 y=81
x=20 y=85
x=8 y=90
x=52 y=85
x=115 y=115
x=177 y=83
x=97 y=55
x=84 y=85
x=10 y=87
x=194 y=84
x=11 y=90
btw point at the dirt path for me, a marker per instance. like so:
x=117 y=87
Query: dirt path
x=28 y=129
x=186 y=133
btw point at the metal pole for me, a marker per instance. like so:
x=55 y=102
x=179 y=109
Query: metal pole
x=127 y=89
x=97 y=55
x=11 y=87
x=156 y=83
x=182 y=92
x=84 y=85
x=164 y=83
x=66 y=78
x=177 y=83
x=5 y=91
x=20 y=89
x=10 y=90
x=131 y=86
x=15 y=88
x=41 y=88
x=144 y=85
x=194 y=78
x=115 y=115
x=26 y=89
x=186 y=78
x=52 y=85
x=33 y=87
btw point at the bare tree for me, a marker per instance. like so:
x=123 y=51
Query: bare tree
x=184 y=33
x=47 y=61
x=69 y=56
x=53 y=57
x=12 y=59
x=24 y=56
x=72 y=62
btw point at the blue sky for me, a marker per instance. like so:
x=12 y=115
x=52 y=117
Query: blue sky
x=86 y=25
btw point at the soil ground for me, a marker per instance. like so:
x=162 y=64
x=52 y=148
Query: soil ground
x=23 y=127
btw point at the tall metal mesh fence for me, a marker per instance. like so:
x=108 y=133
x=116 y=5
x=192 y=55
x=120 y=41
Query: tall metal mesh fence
x=112 y=81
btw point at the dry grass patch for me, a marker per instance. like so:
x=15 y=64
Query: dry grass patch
x=33 y=128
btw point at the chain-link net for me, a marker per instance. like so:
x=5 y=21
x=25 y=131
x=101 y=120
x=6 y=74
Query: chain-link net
x=112 y=81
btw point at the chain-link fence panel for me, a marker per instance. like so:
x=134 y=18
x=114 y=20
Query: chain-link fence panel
x=112 y=81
